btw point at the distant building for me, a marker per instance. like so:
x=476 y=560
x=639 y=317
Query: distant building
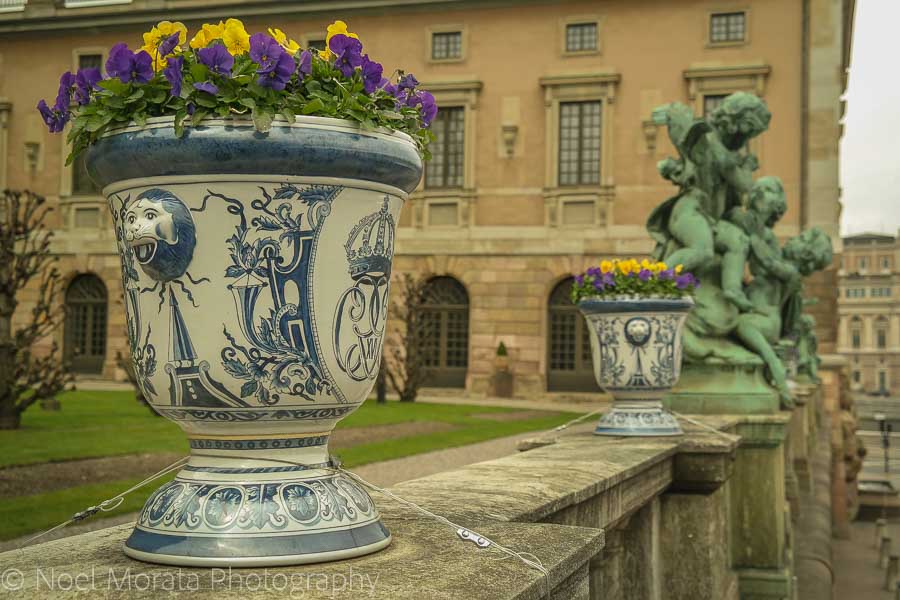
x=869 y=310
x=545 y=159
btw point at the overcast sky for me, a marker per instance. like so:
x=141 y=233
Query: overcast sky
x=870 y=151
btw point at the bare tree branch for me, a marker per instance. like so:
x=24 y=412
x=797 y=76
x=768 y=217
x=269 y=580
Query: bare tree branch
x=25 y=260
x=408 y=337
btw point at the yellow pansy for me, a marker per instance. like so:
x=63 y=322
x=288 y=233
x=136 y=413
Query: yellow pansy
x=336 y=28
x=660 y=267
x=678 y=268
x=163 y=30
x=625 y=267
x=288 y=44
x=154 y=37
x=159 y=62
x=645 y=265
x=605 y=266
x=236 y=38
x=207 y=34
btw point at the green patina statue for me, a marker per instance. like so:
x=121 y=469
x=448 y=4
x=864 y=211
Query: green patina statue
x=807 y=350
x=719 y=226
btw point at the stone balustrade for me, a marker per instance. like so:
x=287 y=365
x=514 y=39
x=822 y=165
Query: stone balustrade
x=702 y=516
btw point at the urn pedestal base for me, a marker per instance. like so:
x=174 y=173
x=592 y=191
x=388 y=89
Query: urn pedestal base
x=638 y=419
x=286 y=507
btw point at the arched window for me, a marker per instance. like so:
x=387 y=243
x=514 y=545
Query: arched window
x=85 y=325
x=569 y=366
x=446 y=321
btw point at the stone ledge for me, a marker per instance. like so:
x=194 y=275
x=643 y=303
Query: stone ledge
x=426 y=560
x=542 y=482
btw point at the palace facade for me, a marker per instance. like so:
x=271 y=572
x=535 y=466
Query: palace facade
x=545 y=159
x=869 y=312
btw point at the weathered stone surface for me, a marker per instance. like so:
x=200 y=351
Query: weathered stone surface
x=426 y=560
x=758 y=494
x=540 y=484
x=692 y=528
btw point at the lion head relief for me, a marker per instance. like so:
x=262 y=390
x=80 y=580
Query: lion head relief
x=161 y=232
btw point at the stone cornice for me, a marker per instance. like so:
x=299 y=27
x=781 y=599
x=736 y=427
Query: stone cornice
x=601 y=78
x=51 y=15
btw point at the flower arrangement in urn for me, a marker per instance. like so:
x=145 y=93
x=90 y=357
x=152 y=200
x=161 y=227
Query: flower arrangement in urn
x=635 y=312
x=255 y=188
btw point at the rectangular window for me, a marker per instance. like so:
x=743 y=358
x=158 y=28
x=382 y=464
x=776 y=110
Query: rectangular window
x=446 y=45
x=855 y=339
x=581 y=37
x=446 y=167
x=316 y=44
x=882 y=381
x=727 y=27
x=886 y=263
x=862 y=263
x=881 y=338
x=857 y=376
x=711 y=102
x=579 y=143
x=81 y=183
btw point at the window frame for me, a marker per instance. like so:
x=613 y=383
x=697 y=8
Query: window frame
x=446 y=28
x=447 y=110
x=579 y=20
x=579 y=160
x=723 y=11
x=558 y=89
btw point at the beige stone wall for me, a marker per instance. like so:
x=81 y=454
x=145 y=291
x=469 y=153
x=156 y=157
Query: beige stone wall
x=511 y=243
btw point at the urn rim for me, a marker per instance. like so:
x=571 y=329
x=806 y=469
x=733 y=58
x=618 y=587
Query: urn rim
x=310 y=147
x=598 y=305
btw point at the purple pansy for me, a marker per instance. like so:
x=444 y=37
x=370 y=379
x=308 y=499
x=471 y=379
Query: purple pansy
x=408 y=82
x=593 y=271
x=64 y=95
x=609 y=279
x=685 y=280
x=280 y=74
x=429 y=107
x=579 y=279
x=265 y=52
x=598 y=284
x=348 y=52
x=129 y=66
x=645 y=275
x=305 y=63
x=389 y=87
x=55 y=119
x=85 y=81
x=371 y=74
x=173 y=74
x=168 y=44
x=667 y=275
x=207 y=86
x=217 y=59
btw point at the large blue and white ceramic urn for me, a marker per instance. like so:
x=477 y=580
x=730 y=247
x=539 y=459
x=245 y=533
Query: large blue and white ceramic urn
x=636 y=349
x=256 y=270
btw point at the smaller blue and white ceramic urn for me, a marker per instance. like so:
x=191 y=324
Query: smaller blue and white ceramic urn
x=636 y=347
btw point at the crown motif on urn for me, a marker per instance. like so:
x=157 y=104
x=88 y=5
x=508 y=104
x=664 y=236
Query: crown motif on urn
x=370 y=245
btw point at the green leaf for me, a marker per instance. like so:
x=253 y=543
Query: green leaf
x=204 y=99
x=262 y=119
x=313 y=106
x=198 y=116
x=248 y=102
x=288 y=115
x=114 y=85
x=199 y=72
